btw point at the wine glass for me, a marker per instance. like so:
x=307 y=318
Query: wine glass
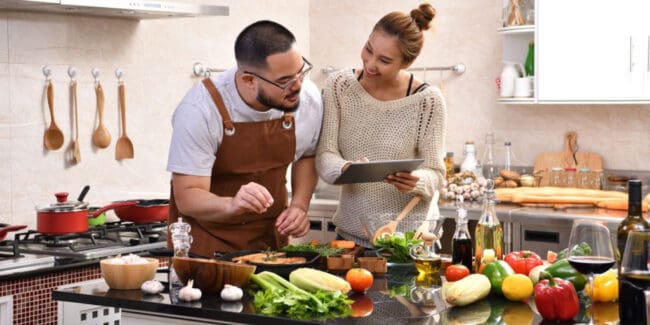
x=600 y=259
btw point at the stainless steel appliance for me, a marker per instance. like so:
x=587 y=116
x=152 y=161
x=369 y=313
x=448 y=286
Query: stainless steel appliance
x=32 y=249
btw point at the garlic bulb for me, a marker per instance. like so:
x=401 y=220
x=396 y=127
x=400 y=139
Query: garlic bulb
x=188 y=293
x=231 y=293
x=152 y=287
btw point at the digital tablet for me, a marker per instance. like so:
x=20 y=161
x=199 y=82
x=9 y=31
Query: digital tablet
x=376 y=171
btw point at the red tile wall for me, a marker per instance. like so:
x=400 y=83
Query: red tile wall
x=32 y=296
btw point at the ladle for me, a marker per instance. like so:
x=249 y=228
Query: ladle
x=101 y=136
x=53 y=138
x=124 y=146
x=389 y=228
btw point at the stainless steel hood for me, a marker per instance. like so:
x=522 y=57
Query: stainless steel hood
x=134 y=9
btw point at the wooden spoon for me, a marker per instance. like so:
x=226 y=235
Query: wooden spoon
x=76 y=150
x=432 y=213
x=101 y=136
x=53 y=138
x=390 y=227
x=124 y=146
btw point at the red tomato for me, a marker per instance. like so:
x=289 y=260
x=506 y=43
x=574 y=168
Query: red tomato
x=360 y=279
x=362 y=305
x=456 y=272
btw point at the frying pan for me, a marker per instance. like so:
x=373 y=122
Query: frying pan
x=145 y=211
x=280 y=269
x=4 y=230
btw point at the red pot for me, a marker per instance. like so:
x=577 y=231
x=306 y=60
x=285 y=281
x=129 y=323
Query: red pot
x=69 y=217
x=145 y=211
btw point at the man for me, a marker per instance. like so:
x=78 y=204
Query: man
x=235 y=135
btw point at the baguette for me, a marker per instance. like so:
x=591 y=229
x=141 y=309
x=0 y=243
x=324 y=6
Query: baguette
x=620 y=205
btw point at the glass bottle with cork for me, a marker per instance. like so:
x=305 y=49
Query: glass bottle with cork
x=462 y=251
x=634 y=219
x=488 y=235
x=470 y=162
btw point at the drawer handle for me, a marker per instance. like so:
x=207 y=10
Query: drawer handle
x=542 y=236
x=315 y=225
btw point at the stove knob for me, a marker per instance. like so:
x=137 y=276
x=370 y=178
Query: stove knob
x=134 y=241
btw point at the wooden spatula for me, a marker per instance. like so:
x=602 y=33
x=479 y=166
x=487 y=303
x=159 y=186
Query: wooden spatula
x=124 y=146
x=432 y=214
x=390 y=227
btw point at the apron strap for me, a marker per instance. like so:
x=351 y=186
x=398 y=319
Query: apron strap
x=229 y=127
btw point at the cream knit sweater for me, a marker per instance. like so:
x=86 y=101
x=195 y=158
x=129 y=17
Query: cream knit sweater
x=357 y=125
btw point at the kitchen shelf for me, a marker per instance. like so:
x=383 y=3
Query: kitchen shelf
x=517 y=29
x=517 y=100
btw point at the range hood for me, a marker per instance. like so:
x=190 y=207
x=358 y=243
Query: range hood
x=134 y=9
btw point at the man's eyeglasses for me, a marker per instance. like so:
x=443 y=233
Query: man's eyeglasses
x=306 y=67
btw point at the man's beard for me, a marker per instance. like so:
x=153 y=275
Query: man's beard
x=270 y=102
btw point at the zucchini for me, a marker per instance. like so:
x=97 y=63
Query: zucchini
x=313 y=280
x=467 y=290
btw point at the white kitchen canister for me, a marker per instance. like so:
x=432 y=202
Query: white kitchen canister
x=508 y=76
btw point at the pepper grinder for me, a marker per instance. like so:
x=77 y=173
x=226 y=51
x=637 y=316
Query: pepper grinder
x=181 y=240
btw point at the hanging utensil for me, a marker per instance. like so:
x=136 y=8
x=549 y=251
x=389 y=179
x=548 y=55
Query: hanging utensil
x=391 y=226
x=53 y=138
x=101 y=136
x=75 y=144
x=124 y=146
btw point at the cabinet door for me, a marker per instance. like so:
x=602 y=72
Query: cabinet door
x=590 y=50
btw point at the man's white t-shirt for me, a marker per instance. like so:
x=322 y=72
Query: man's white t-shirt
x=198 y=126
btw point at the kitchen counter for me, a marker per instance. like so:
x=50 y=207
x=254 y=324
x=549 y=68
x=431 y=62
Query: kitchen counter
x=394 y=299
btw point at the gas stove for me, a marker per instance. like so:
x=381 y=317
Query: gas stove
x=99 y=241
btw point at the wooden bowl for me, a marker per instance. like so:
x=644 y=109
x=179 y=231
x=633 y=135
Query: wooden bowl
x=128 y=276
x=211 y=275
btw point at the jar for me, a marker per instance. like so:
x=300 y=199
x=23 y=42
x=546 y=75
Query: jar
x=584 y=178
x=449 y=164
x=570 y=179
x=556 y=177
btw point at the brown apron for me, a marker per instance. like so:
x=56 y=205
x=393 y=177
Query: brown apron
x=257 y=152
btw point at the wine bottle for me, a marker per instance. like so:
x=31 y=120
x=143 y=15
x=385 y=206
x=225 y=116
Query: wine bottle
x=634 y=219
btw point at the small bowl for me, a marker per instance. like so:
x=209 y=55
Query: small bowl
x=128 y=276
x=371 y=223
x=211 y=275
x=98 y=220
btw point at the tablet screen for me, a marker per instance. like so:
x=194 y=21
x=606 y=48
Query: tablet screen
x=376 y=171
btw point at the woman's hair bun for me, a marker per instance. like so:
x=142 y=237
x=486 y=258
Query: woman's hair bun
x=423 y=15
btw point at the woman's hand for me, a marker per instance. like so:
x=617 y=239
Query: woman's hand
x=403 y=182
x=347 y=164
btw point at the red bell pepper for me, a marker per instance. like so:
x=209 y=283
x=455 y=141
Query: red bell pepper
x=556 y=299
x=523 y=261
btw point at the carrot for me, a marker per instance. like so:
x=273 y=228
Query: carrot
x=345 y=244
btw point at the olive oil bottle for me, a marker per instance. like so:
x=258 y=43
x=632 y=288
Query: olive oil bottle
x=634 y=219
x=488 y=235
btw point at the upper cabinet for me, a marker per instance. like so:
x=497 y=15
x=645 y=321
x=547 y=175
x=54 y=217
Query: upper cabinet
x=587 y=51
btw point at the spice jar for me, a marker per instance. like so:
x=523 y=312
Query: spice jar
x=556 y=177
x=584 y=178
x=449 y=164
x=570 y=177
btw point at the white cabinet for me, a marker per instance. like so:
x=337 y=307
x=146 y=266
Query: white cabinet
x=592 y=50
x=586 y=51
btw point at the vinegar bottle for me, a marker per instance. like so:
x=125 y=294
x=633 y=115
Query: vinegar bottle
x=634 y=219
x=462 y=250
x=488 y=235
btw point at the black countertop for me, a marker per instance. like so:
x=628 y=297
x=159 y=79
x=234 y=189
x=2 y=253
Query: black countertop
x=395 y=299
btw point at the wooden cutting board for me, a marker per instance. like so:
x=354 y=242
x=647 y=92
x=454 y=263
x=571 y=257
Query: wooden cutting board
x=570 y=157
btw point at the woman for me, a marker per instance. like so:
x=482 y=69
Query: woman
x=380 y=112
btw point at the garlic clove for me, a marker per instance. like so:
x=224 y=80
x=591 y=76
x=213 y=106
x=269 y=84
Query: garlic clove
x=231 y=293
x=152 y=287
x=188 y=293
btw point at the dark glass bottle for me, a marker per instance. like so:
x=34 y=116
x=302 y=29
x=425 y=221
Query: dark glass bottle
x=634 y=219
x=462 y=249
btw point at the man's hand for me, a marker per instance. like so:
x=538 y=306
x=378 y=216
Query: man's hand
x=251 y=197
x=293 y=222
x=403 y=182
